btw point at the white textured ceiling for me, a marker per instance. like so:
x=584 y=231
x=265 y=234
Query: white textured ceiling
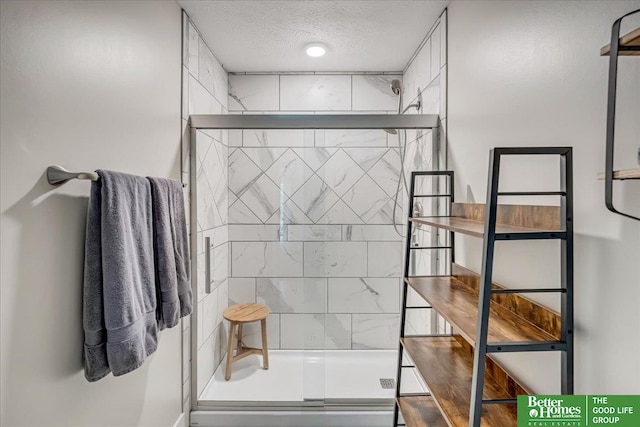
x=265 y=35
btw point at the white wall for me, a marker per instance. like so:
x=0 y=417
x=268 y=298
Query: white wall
x=529 y=73
x=86 y=85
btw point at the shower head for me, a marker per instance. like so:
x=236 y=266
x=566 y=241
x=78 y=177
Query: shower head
x=396 y=87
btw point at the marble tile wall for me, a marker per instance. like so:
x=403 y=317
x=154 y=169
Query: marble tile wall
x=425 y=80
x=205 y=92
x=310 y=214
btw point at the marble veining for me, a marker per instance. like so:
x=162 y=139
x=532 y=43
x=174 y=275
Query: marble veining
x=253 y=232
x=277 y=138
x=337 y=331
x=375 y=331
x=242 y=290
x=314 y=232
x=242 y=172
x=386 y=172
x=264 y=157
x=254 y=92
x=314 y=198
x=194 y=40
x=357 y=232
x=220 y=260
x=335 y=259
x=340 y=172
x=365 y=198
x=266 y=259
x=302 y=331
x=263 y=197
x=200 y=101
x=239 y=213
x=205 y=66
x=315 y=331
x=384 y=259
x=315 y=157
x=340 y=213
x=289 y=172
x=351 y=138
x=315 y=92
x=373 y=92
x=385 y=214
x=289 y=295
x=366 y=158
x=289 y=213
x=364 y=295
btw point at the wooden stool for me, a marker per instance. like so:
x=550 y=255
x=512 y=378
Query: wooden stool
x=238 y=315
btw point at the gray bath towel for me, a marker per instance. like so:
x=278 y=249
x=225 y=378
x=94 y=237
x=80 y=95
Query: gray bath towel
x=119 y=291
x=171 y=250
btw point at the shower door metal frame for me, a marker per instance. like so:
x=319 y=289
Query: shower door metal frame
x=280 y=122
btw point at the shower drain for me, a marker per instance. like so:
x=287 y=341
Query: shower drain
x=388 y=383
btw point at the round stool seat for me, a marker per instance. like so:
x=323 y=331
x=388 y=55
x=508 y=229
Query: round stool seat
x=243 y=313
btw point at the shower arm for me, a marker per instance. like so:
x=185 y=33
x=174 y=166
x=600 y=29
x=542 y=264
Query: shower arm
x=415 y=105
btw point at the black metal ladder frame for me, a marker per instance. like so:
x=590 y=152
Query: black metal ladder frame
x=565 y=235
x=565 y=345
x=407 y=263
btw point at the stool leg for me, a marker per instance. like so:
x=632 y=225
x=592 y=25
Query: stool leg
x=239 y=339
x=265 y=347
x=227 y=372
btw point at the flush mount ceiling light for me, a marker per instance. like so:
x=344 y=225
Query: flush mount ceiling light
x=316 y=50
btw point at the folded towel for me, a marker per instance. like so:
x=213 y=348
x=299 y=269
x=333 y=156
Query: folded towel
x=171 y=252
x=119 y=290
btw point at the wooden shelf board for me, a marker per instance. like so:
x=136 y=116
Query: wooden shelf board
x=629 y=39
x=458 y=304
x=472 y=227
x=420 y=411
x=623 y=174
x=447 y=367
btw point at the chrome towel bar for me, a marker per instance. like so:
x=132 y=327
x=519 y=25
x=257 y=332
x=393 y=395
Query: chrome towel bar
x=57 y=175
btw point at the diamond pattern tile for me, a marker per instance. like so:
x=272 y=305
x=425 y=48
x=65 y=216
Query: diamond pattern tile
x=384 y=215
x=365 y=198
x=340 y=172
x=315 y=198
x=263 y=197
x=315 y=157
x=239 y=213
x=289 y=213
x=367 y=157
x=340 y=213
x=386 y=172
x=289 y=172
x=264 y=157
x=242 y=172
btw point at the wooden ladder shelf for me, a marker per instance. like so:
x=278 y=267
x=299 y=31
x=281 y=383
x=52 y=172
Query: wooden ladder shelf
x=467 y=386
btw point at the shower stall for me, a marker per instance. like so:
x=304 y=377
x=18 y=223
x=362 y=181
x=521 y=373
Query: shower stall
x=311 y=207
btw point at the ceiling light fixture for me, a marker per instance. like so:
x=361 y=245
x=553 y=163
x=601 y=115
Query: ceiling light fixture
x=316 y=50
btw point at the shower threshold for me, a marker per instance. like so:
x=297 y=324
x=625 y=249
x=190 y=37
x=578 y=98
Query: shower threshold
x=308 y=388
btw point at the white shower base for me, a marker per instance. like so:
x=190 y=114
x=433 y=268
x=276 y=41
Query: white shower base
x=333 y=388
x=297 y=376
